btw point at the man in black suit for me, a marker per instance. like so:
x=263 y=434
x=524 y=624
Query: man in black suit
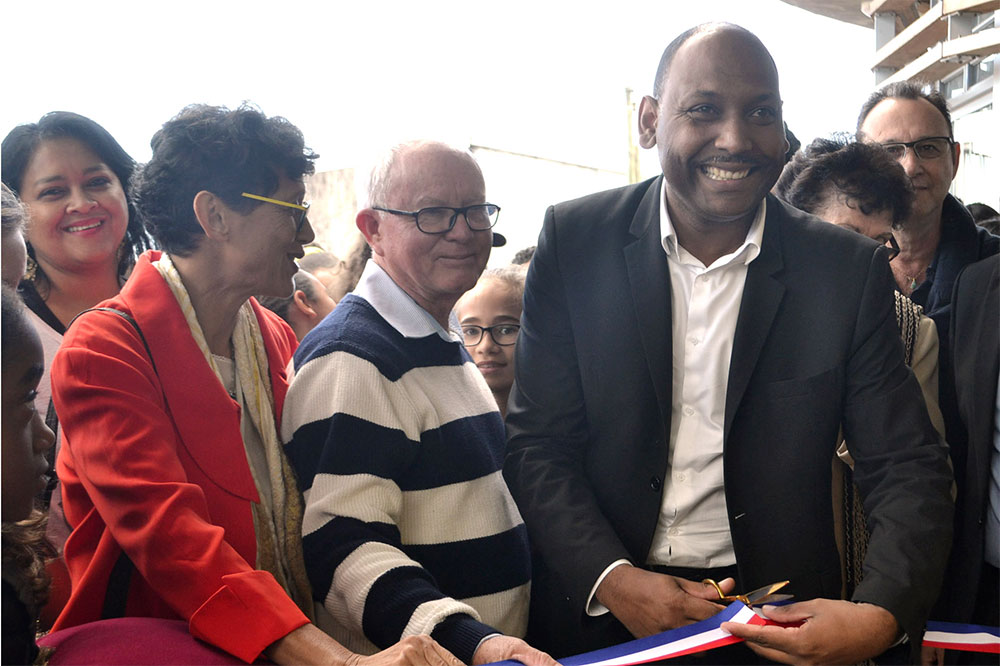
x=689 y=348
x=971 y=594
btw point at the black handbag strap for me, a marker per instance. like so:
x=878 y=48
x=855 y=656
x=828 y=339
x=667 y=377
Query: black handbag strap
x=127 y=317
x=116 y=595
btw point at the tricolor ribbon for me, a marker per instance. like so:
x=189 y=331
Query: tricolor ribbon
x=707 y=635
x=698 y=637
x=967 y=637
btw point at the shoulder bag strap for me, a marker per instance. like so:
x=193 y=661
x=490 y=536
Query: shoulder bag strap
x=121 y=574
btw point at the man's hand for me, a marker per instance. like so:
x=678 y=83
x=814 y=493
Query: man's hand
x=309 y=645
x=500 y=648
x=648 y=603
x=832 y=632
x=418 y=650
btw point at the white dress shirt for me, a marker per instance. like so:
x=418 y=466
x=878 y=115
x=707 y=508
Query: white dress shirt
x=693 y=526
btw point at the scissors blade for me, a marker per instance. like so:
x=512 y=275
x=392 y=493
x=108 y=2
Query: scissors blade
x=767 y=593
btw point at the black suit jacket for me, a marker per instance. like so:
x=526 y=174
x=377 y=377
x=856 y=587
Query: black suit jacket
x=975 y=337
x=816 y=347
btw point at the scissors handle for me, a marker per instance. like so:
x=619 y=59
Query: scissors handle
x=756 y=597
x=709 y=581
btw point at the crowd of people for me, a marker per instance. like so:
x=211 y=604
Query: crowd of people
x=763 y=364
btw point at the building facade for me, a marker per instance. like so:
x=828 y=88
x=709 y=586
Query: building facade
x=953 y=46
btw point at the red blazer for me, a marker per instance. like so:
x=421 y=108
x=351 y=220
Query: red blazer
x=153 y=462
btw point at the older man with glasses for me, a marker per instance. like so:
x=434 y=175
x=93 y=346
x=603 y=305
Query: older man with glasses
x=939 y=238
x=398 y=444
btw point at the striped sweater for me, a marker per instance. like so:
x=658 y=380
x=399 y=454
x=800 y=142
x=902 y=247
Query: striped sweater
x=398 y=446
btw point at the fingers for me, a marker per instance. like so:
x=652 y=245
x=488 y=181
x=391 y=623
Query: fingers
x=931 y=656
x=705 y=591
x=442 y=657
x=699 y=609
x=769 y=642
x=501 y=648
x=773 y=655
x=788 y=613
x=422 y=650
x=728 y=585
x=529 y=656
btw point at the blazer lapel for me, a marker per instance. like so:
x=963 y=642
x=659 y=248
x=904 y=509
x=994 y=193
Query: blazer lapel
x=762 y=295
x=649 y=278
x=206 y=418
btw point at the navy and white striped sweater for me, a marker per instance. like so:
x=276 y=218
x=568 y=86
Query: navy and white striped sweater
x=409 y=527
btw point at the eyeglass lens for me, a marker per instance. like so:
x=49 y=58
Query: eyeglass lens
x=502 y=334
x=441 y=219
x=925 y=149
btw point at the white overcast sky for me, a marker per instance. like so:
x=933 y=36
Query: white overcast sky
x=538 y=77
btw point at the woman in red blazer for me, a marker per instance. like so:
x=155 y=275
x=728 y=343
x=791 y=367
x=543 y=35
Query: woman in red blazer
x=181 y=502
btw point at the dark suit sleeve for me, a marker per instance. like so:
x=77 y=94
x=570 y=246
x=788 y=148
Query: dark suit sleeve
x=548 y=435
x=900 y=465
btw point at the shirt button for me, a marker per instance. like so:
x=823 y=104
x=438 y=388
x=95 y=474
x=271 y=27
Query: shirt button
x=673 y=531
x=654 y=483
x=681 y=477
x=688 y=411
x=694 y=341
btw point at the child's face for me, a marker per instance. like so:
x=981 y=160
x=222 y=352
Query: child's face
x=26 y=438
x=491 y=303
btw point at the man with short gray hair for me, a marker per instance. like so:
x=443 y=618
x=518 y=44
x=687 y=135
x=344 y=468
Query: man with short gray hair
x=398 y=444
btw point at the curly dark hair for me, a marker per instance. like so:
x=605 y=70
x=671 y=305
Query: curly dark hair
x=219 y=150
x=871 y=180
x=25 y=551
x=20 y=144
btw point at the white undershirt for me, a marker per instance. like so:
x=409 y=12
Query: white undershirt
x=693 y=526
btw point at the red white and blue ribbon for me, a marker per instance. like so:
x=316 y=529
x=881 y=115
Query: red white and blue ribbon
x=704 y=635
x=707 y=634
x=966 y=637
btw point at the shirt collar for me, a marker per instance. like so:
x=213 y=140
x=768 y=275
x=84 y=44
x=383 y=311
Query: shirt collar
x=399 y=309
x=746 y=252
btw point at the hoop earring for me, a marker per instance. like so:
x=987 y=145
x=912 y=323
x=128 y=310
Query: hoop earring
x=31 y=269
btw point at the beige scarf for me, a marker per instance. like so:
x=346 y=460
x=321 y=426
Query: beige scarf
x=278 y=525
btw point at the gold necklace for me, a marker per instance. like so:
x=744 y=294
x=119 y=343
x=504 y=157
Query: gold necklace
x=913 y=278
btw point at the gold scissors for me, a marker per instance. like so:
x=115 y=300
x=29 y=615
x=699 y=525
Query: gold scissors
x=758 y=597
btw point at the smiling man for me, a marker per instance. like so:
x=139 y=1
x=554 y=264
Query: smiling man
x=690 y=347
x=409 y=527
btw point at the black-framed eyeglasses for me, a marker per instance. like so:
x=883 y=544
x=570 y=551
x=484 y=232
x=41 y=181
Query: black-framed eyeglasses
x=502 y=334
x=300 y=218
x=928 y=148
x=441 y=219
x=892 y=247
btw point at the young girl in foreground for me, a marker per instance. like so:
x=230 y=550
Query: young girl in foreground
x=26 y=438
